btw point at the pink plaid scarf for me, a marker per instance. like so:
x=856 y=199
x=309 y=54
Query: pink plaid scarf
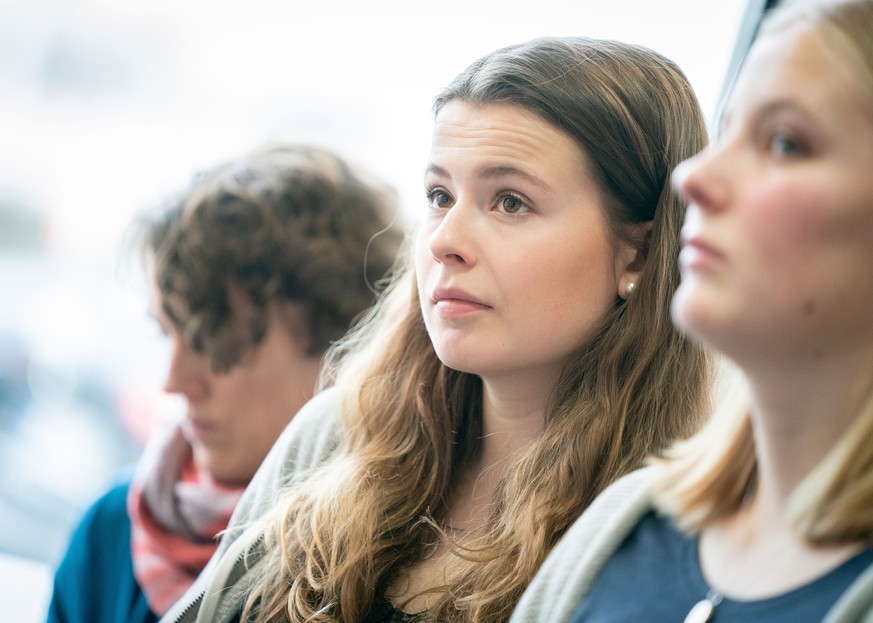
x=175 y=511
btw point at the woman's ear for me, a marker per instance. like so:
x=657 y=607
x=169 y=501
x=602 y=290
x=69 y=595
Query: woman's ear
x=631 y=255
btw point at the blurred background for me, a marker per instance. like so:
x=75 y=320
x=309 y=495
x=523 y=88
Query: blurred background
x=107 y=107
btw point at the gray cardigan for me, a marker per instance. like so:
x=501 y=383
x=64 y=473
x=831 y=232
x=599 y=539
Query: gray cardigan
x=308 y=442
x=570 y=570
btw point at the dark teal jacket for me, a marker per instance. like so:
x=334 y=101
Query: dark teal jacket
x=94 y=582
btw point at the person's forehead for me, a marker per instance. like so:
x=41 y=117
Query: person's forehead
x=796 y=63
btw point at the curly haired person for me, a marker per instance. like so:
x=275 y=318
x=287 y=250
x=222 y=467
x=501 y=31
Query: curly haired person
x=256 y=269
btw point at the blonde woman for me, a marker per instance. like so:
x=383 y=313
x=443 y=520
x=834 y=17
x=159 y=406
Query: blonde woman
x=767 y=514
x=521 y=361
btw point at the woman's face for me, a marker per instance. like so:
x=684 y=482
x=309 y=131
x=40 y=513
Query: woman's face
x=778 y=239
x=514 y=260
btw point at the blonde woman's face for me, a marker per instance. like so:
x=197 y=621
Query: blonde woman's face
x=514 y=261
x=777 y=257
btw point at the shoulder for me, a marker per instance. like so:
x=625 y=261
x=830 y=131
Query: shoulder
x=312 y=435
x=95 y=574
x=112 y=505
x=305 y=444
x=576 y=560
x=106 y=518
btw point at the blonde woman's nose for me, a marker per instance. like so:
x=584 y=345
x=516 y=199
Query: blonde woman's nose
x=699 y=181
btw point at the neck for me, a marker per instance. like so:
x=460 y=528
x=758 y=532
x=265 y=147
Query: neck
x=512 y=419
x=513 y=416
x=800 y=410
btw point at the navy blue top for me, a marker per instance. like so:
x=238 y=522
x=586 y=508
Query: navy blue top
x=655 y=577
x=94 y=582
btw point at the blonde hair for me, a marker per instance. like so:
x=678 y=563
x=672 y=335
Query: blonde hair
x=412 y=423
x=707 y=477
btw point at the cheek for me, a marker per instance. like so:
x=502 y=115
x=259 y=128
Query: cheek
x=799 y=236
x=784 y=222
x=576 y=287
x=233 y=395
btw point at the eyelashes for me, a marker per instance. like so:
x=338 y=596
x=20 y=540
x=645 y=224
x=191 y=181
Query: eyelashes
x=784 y=145
x=505 y=201
x=511 y=203
x=437 y=199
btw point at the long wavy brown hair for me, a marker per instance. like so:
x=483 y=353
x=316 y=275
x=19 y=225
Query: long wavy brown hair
x=412 y=423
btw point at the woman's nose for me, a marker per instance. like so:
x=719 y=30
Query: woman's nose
x=699 y=180
x=452 y=241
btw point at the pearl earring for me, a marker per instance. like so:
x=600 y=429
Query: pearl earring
x=629 y=288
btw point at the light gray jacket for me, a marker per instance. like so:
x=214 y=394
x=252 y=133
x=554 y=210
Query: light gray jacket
x=570 y=570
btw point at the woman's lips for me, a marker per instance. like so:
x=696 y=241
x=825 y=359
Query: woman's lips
x=455 y=303
x=697 y=254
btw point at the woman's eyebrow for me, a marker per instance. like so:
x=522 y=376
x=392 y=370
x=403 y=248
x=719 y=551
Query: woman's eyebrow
x=491 y=172
x=437 y=170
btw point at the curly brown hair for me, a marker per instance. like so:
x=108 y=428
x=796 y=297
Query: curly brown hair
x=287 y=223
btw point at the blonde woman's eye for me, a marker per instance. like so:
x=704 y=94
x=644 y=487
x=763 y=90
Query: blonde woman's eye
x=784 y=146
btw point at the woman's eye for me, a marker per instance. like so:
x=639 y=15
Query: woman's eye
x=438 y=199
x=512 y=204
x=784 y=146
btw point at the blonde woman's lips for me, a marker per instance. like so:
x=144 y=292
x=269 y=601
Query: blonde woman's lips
x=698 y=254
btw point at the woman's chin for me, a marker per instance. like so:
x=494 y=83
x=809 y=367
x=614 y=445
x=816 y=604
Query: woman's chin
x=691 y=316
